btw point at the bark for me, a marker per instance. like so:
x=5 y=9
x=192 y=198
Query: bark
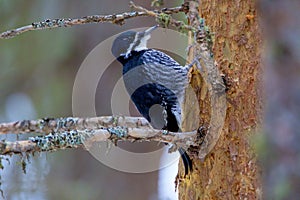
x=230 y=170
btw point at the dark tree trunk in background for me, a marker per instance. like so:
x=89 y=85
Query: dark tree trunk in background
x=230 y=171
x=281 y=159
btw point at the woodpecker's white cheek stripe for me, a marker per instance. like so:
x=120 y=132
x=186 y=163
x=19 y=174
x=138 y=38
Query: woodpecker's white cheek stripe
x=143 y=43
x=137 y=45
x=130 y=48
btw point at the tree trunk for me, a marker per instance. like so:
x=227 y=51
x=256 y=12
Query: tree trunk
x=230 y=170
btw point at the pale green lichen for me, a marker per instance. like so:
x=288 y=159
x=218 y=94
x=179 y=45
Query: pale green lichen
x=163 y=19
x=208 y=36
x=60 y=123
x=118 y=131
x=58 y=140
x=50 y=23
x=165 y=132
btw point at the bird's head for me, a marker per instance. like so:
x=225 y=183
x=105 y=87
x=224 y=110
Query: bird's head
x=131 y=41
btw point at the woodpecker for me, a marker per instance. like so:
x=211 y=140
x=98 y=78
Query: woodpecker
x=154 y=81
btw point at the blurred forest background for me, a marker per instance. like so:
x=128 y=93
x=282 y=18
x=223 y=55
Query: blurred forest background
x=37 y=74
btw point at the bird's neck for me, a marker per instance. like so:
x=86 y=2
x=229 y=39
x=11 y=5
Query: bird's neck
x=133 y=56
x=132 y=60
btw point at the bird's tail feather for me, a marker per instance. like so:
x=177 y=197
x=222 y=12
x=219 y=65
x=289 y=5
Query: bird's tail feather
x=187 y=162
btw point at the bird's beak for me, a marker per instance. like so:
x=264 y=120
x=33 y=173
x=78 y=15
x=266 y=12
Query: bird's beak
x=149 y=30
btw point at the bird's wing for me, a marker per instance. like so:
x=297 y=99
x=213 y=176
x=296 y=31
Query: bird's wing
x=161 y=69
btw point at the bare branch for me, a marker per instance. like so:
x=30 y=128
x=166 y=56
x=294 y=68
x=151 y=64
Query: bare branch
x=17 y=147
x=67 y=22
x=48 y=125
x=87 y=137
x=163 y=17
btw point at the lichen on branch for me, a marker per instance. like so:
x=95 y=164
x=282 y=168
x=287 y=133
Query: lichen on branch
x=70 y=132
x=118 y=19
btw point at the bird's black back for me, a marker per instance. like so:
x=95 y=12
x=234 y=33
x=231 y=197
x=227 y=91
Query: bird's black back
x=147 y=86
x=152 y=77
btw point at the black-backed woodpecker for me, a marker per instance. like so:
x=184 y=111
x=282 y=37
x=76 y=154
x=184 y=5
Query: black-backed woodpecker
x=154 y=81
